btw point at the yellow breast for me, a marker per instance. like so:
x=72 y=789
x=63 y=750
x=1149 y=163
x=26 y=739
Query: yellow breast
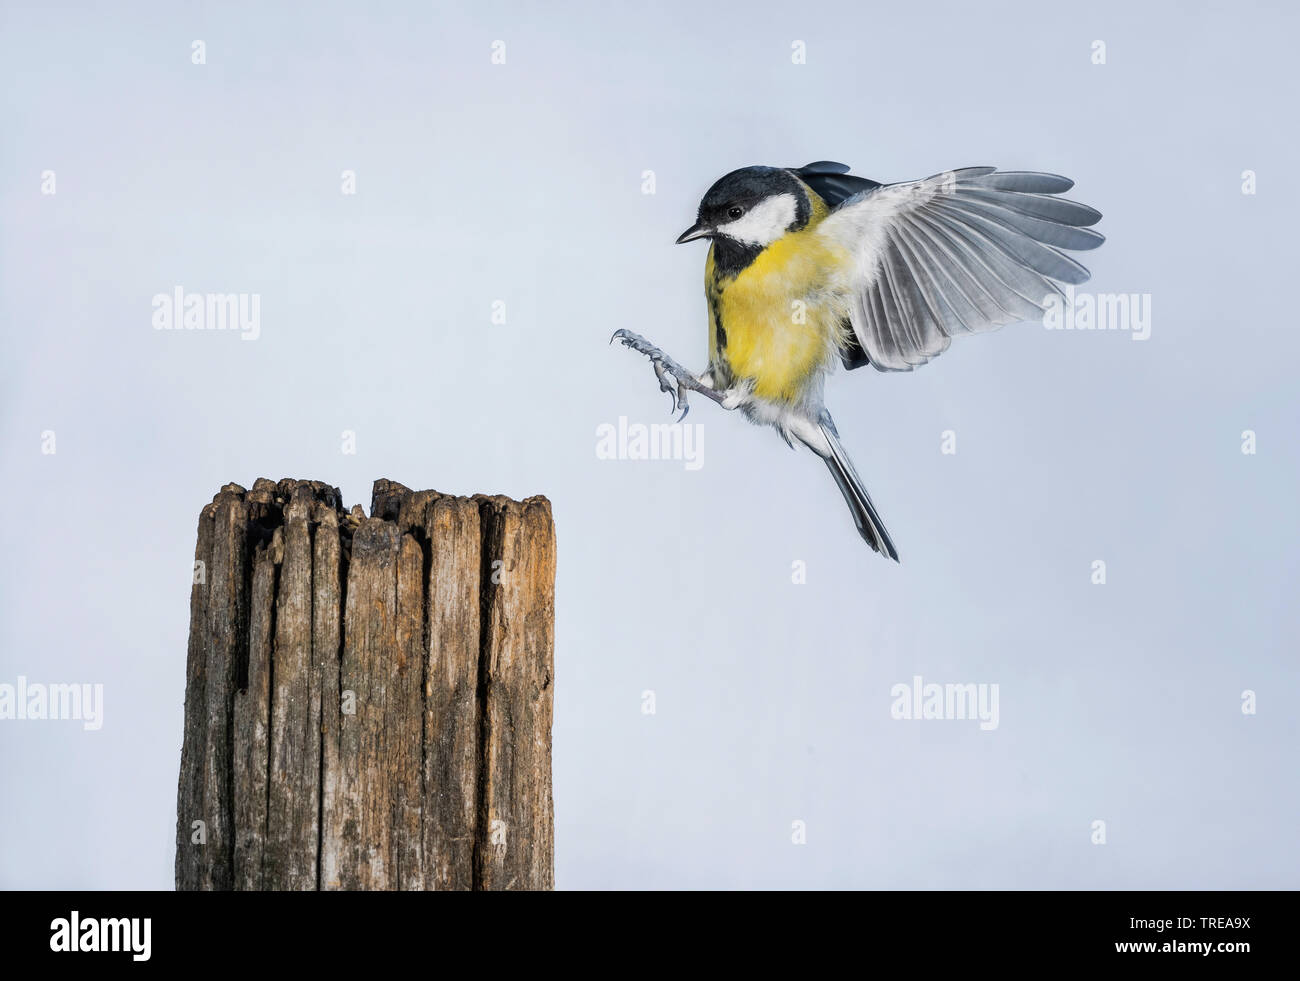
x=776 y=322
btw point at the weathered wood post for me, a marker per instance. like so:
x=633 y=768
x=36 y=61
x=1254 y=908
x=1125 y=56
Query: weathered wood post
x=368 y=699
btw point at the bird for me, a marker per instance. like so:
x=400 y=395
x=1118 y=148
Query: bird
x=809 y=267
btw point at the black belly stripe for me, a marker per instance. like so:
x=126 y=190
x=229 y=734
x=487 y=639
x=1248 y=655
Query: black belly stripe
x=719 y=332
x=731 y=257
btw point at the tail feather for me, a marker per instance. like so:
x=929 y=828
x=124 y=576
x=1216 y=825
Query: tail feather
x=870 y=527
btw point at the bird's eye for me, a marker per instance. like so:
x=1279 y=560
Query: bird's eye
x=735 y=211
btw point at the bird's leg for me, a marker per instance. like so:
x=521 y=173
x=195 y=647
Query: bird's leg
x=673 y=378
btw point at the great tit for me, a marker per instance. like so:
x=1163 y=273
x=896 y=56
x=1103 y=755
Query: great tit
x=810 y=265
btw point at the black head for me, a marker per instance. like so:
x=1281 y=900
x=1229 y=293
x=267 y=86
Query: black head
x=748 y=210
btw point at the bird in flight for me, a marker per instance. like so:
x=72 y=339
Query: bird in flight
x=812 y=265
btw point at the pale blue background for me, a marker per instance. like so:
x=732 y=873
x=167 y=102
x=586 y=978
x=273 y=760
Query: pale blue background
x=522 y=182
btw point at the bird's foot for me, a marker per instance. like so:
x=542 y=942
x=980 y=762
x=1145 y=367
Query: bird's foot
x=673 y=378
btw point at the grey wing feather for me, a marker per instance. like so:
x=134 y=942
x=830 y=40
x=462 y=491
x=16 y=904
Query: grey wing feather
x=832 y=181
x=960 y=252
x=823 y=167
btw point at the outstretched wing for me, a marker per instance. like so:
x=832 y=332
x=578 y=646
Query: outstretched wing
x=959 y=252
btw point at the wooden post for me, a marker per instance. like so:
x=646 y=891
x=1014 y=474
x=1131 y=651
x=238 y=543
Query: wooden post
x=368 y=699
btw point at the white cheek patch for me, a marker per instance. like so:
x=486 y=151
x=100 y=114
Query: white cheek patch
x=764 y=223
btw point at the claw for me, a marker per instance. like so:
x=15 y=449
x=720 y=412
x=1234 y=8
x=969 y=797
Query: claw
x=673 y=378
x=666 y=370
x=662 y=374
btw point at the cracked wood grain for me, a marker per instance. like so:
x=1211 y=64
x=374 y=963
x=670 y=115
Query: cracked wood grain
x=368 y=699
